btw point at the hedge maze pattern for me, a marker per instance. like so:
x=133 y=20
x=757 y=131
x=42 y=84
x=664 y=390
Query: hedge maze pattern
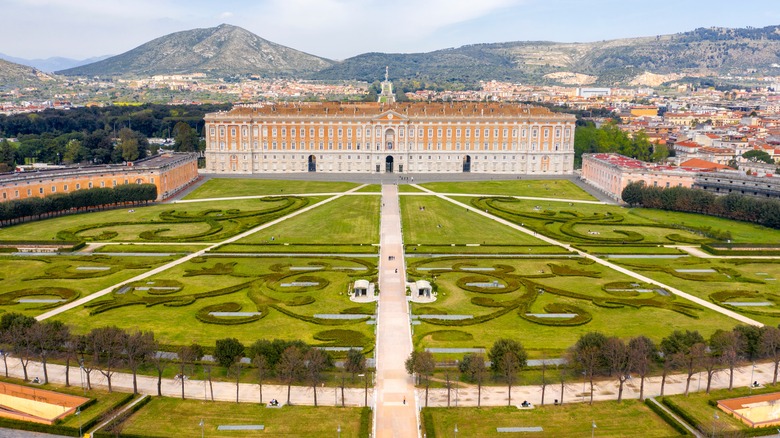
x=264 y=289
x=567 y=225
x=214 y=224
x=522 y=289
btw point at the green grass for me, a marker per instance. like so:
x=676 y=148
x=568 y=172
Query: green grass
x=561 y=189
x=483 y=249
x=655 y=319
x=147 y=219
x=349 y=219
x=750 y=276
x=628 y=249
x=442 y=222
x=161 y=248
x=166 y=417
x=741 y=232
x=371 y=188
x=230 y=187
x=298 y=248
x=406 y=188
x=22 y=273
x=629 y=418
x=695 y=404
x=176 y=323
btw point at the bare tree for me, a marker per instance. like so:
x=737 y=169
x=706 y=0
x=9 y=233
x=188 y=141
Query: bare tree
x=478 y=370
x=290 y=367
x=86 y=357
x=138 y=348
x=543 y=369
x=17 y=330
x=678 y=350
x=69 y=351
x=316 y=361
x=47 y=337
x=616 y=356
x=188 y=356
x=692 y=359
x=509 y=367
x=107 y=346
x=711 y=362
x=770 y=346
x=159 y=362
x=207 y=369
x=641 y=351
x=261 y=369
x=235 y=370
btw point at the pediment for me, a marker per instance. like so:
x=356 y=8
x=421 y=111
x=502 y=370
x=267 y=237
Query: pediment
x=390 y=116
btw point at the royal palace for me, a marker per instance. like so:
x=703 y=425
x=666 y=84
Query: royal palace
x=385 y=137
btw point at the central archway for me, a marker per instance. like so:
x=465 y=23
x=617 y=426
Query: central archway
x=312 y=163
x=389 y=164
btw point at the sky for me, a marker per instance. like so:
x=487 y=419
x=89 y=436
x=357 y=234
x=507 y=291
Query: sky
x=339 y=29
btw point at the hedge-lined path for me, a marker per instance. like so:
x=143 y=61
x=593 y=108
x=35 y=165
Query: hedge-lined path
x=622 y=270
x=395 y=413
x=185 y=259
x=526 y=198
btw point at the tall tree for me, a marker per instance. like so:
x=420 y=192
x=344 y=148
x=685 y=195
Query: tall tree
x=188 y=355
x=107 y=346
x=48 y=337
x=476 y=369
x=770 y=346
x=185 y=138
x=725 y=345
x=588 y=355
x=261 y=369
x=235 y=369
x=290 y=367
x=316 y=361
x=641 y=350
x=421 y=365
x=616 y=356
x=18 y=328
x=138 y=348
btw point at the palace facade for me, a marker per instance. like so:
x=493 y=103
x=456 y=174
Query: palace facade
x=170 y=172
x=390 y=137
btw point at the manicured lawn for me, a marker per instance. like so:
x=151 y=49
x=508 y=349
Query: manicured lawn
x=629 y=418
x=628 y=249
x=406 y=188
x=741 y=280
x=535 y=188
x=590 y=291
x=166 y=417
x=442 y=222
x=173 y=313
x=741 y=232
x=419 y=250
x=164 y=248
x=697 y=406
x=298 y=248
x=371 y=188
x=178 y=220
x=349 y=219
x=63 y=277
x=230 y=187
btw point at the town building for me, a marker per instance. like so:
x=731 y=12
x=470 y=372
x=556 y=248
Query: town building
x=170 y=172
x=380 y=137
x=611 y=173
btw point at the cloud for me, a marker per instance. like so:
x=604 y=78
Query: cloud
x=225 y=15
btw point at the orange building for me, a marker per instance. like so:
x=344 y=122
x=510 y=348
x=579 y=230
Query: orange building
x=384 y=138
x=170 y=172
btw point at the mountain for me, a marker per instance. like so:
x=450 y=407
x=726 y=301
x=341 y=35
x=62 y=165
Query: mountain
x=54 y=63
x=637 y=61
x=16 y=75
x=218 y=51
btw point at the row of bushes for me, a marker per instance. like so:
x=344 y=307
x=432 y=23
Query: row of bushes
x=15 y=210
x=204 y=316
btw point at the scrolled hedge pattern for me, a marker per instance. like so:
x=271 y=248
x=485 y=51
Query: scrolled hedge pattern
x=203 y=315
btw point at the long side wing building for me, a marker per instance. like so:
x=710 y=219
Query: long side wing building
x=378 y=137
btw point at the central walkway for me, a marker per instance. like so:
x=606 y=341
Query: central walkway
x=395 y=408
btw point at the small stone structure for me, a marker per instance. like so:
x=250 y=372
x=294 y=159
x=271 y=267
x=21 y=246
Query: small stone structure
x=362 y=292
x=421 y=292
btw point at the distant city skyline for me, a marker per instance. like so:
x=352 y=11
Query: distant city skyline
x=339 y=29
